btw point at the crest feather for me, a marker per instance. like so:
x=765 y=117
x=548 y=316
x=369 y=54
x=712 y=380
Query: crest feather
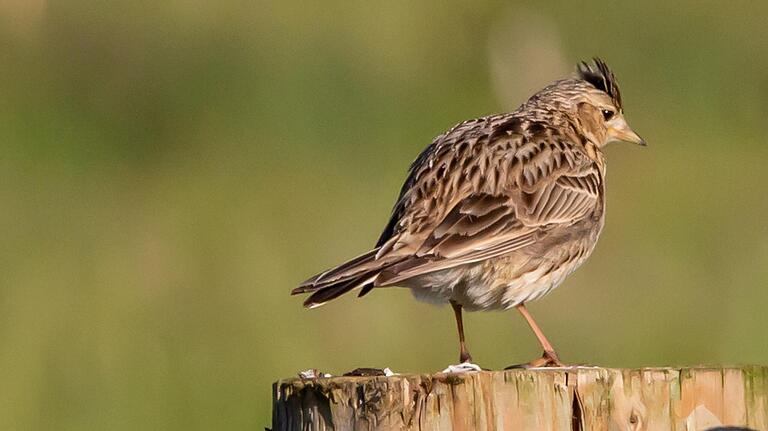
x=599 y=75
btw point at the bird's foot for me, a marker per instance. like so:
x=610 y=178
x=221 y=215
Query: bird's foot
x=548 y=359
x=463 y=367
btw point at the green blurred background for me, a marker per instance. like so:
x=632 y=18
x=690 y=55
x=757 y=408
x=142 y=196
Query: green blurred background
x=170 y=171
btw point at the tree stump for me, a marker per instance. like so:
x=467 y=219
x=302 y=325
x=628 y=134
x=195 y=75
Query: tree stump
x=573 y=398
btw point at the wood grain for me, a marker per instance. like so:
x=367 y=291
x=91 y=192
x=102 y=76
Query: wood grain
x=578 y=398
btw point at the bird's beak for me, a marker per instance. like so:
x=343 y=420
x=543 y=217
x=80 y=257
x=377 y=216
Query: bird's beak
x=619 y=131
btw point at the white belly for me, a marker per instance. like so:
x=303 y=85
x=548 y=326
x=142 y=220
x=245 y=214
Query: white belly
x=498 y=285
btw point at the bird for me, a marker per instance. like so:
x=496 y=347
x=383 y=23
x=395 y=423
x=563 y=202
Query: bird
x=497 y=211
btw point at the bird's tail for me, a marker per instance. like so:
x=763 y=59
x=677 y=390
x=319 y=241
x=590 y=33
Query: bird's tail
x=359 y=272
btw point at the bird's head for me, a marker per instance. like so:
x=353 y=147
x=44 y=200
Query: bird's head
x=592 y=100
x=598 y=105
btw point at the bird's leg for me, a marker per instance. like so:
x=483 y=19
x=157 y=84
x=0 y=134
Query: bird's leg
x=550 y=357
x=464 y=355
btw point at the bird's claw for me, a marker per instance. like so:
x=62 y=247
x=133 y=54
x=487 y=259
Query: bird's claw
x=548 y=359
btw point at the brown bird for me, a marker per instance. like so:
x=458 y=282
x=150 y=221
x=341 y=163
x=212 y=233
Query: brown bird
x=497 y=211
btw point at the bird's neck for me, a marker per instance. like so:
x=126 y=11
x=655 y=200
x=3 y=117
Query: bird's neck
x=596 y=154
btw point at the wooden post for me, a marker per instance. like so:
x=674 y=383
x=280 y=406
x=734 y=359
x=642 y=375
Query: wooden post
x=577 y=398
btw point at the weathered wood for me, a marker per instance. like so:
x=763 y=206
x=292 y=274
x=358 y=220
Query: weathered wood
x=578 y=398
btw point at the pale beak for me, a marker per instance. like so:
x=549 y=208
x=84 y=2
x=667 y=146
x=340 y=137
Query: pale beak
x=619 y=131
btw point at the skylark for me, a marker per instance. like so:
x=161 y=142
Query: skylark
x=497 y=211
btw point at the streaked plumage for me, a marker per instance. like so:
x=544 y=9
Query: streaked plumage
x=498 y=210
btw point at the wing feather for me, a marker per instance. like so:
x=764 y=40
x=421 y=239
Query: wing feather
x=484 y=225
x=486 y=188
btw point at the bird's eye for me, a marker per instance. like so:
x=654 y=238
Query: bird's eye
x=607 y=114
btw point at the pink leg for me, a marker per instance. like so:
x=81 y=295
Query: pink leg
x=550 y=357
x=464 y=355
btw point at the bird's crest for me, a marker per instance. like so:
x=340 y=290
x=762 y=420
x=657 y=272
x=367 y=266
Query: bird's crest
x=599 y=75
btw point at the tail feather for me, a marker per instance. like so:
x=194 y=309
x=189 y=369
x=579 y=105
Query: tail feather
x=328 y=293
x=358 y=272
x=364 y=291
x=343 y=272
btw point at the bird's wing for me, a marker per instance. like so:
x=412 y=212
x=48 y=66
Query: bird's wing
x=519 y=198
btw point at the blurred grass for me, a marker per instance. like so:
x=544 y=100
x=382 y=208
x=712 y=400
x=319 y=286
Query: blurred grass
x=169 y=171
